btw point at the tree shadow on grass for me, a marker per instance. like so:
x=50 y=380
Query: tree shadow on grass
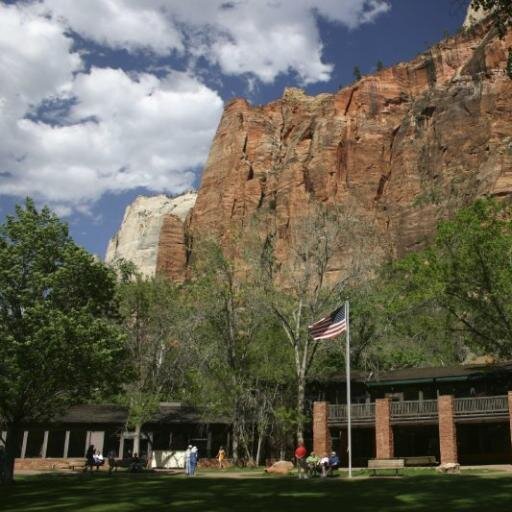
x=125 y=492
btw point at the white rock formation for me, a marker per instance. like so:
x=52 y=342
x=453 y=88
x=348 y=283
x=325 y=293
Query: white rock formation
x=473 y=16
x=138 y=237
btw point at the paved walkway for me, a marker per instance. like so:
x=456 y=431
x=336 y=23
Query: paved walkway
x=247 y=474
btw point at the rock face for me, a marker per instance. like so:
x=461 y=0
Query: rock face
x=152 y=235
x=473 y=16
x=408 y=146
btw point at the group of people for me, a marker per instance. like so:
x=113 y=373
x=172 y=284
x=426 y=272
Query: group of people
x=94 y=458
x=312 y=464
x=191 y=459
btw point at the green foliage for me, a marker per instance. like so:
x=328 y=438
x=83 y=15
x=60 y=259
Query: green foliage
x=465 y=277
x=240 y=366
x=58 y=343
x=379 y=66
x=357 y=73
x=152 y=315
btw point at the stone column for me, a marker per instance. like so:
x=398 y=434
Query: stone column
x=321 y=434
x=66 y=444
x=384 y=445
x=44 y=449
x=121 y=446
x=447 y=430
x=24 y=444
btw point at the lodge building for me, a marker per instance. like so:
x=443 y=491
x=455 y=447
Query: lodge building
x=66 y=438
x=460 y=414
x=451 y=414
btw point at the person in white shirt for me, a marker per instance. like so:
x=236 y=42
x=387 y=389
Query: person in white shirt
x=324 y=464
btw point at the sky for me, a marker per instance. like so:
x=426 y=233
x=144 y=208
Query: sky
x=105 y=100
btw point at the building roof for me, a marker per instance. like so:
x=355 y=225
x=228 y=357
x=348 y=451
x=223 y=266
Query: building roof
x=429 y=374
x=168 y=412
x=440 y=374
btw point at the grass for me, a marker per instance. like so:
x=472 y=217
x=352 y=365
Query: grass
x=418 y=490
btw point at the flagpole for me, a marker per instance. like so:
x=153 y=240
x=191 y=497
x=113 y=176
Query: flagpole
x=349 y=412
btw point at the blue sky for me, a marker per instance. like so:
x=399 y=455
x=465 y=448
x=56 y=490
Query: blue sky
x=101 y=101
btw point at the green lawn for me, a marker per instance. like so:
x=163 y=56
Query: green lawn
x=416 y=491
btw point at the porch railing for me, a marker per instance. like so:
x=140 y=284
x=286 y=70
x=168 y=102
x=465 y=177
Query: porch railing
x=361 y=413
x=481 y=406
x=412 y=410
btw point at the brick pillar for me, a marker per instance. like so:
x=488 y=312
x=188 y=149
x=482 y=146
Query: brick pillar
x=447 y=429
x=321 y=434
x=384 y=445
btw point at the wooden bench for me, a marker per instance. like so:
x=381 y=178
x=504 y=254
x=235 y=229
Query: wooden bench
x=128 y=463
x=76 y=464
x=381 y=464
x=422 y=460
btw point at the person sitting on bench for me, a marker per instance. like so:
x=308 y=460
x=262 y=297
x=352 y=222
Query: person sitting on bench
x=324 y=465
x=136 y=464
x=98 y=459
x=313 y=464
x=334 y=463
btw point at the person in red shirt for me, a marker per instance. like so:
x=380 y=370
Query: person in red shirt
x=300 y=457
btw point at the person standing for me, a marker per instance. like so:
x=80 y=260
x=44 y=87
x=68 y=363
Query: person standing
x=220 y=457
x=89 y=457
x=194 y=457
x=300 y=457
x=187 y=459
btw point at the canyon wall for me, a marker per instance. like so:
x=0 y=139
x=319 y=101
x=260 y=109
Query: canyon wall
x=152 y=235
x=404 y=148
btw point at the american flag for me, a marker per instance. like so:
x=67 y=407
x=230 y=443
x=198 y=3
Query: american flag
x=330 y=326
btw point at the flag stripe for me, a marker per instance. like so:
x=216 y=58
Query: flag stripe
x=329 y=326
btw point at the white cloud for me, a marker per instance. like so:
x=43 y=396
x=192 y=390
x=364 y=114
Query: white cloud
x=119 y=23
x=28 y=76
x=106 y=130
x=144 y=132
x=263 y=38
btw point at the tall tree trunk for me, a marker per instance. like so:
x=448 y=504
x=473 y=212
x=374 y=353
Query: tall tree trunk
x=301 y=392
x=235 y=441
x=11 y=448
x=261 y=436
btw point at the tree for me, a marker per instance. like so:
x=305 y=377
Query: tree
x=467 y=272
x=380 y=66
x=59 y=344
x=152 y=320
x=239 y=368
x=357 y=73
x=312 y=280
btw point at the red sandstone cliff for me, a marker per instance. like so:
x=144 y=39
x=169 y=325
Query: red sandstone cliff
x=408 y=146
